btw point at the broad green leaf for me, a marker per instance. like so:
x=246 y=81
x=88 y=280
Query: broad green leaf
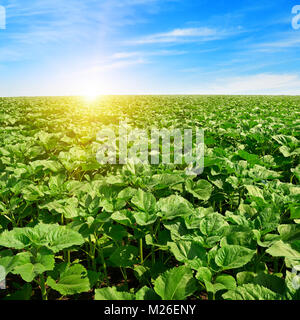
x=146 y=293
x=201 y=189
x=24 y=293
x=29 y=266
x=144 y=201
x=213 y=225
x=174 y=206
x=127 y=193
x=245 y=277
x=232 y=257
x=242 y=238
x=67 y=207
x=165 y=180
x=227 y=281
x=251 y=292
x=125 y=256
x=187 y=250
x=254 y=191
x=272 y=282
x=289 y=232
x=116 y=232
x=144 y=218
x=295 y=211
x=8 y=261
x=124 y=217
x=204 y=274
x=251 y=158
x=72 y=279
x=282 y=249
x=112 y=294
x=52 y=236
x=175 y=284
x=267 y=220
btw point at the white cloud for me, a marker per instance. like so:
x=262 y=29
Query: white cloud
x=98 y=68
x=131 y=54
x=278 y=84
x=289 y=41
x=188 y=32
x=181 y=35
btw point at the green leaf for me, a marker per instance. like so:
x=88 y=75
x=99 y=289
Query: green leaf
x=175 y=284
x=267 y=220
x=112 y=294
x=117 y=232
x=124 y=217
x=165 y=180
x=254 y=191
x=144 y=218
x=52 y=236
x=201 y=189
x=245 y=277
x=127 y=193
x=8 y=261
x=271 y=282
x=146 y=293
x=251 y=292
x=187 y=250
x=232 y=257
x=125 y=256
x=29 y=266
x=174 y=206
x=295 y=211
x=204 y=274
x=282 y=249
x=251 y=158
x=227 y=281
x=144 y=201
x=22 y=294
x=72 y=279
x=67 y=207
x=213 y=225
x=242 y=238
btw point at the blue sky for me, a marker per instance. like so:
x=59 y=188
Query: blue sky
x=71 y=47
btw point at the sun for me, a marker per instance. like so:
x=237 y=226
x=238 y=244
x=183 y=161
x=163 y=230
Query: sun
x=91 y=97
x=91 y=94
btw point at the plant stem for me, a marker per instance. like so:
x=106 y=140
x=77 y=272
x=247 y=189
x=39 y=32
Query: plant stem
x=104 y=265
x=152 y=247
x=43 y=287
x=123 y=271
x=141 y=251
x=276 y=265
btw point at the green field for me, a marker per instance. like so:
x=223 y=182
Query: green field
x=71 y=228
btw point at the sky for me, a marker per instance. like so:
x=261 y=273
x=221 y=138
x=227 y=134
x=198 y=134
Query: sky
x=72 y=47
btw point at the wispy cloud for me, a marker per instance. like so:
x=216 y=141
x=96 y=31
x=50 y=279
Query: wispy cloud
x=41 y=21
x=158 y=53
x=181 y=35
x=285 y=43
x=256 y=84
x=125 y=59
x=102 y=67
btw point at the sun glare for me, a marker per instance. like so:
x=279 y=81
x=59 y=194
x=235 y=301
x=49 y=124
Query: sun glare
x=91 y=97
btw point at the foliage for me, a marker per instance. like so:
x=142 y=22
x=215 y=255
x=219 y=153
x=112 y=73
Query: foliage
x=70 y=226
